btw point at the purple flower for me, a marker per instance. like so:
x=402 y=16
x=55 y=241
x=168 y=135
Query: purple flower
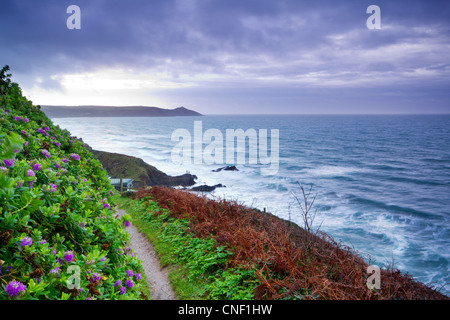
x=30 y=173
x=25 y=120
x=3 y=168
x=138 y=276
x=37 y=167
x=55 y=271
x=130 y=273
x=14 y=288
x=123 y=290
x=17 y=118
x=58 y=144
x=128 y=249
x=106 y=206
x=46 y=128
x=68 y=256
x=129 y=283
x=127 y=223
x=74 y=156
x=27 y=241
x=95 y=277
x=9 y=162
x=64 y=160
x=40 y=130
x=51 y=188
x=118 y=283
x=45 y=153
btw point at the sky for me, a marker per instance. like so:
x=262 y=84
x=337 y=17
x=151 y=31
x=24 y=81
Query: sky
x=232 y=56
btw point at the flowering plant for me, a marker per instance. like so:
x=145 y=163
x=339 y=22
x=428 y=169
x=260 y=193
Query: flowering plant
x=59 y=238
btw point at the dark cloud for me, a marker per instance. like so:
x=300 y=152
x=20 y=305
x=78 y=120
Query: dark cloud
x=220 y=44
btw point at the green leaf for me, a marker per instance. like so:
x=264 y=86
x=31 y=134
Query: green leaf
x=36 y=288
x=65 y=296
x=9 y=144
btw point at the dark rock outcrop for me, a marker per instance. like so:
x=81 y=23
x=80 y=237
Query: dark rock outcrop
x=227 y=168
x=124 y=166
x=206 y=188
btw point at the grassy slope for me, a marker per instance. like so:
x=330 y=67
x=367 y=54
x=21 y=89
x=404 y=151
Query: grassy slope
x=197 y=265
x=287 y=261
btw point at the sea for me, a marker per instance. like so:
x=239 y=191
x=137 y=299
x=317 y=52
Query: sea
x=380 y=183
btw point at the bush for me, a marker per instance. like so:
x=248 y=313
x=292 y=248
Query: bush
x=205 y=262
x=281 y=262
x=59 y=238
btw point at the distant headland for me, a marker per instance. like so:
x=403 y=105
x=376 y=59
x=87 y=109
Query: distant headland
x=107 y=111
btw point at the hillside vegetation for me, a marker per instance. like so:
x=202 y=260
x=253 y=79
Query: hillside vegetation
x=266 y=257
x=59 y=237
x=124 y=166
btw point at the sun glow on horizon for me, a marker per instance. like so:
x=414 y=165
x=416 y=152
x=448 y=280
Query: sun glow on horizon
x=113 y=87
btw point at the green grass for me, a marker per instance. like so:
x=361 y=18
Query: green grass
x=197 y=266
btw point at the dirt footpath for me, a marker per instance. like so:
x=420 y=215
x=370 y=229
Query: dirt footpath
x=157 y=278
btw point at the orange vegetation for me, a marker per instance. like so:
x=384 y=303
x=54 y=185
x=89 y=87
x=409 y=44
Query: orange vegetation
x=289 y=261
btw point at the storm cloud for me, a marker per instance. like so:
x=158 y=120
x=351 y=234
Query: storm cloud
x=245 y=56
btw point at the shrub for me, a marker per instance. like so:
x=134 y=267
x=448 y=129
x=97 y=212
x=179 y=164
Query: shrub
x=205 y=261
x=284 y=264
x=59 y=238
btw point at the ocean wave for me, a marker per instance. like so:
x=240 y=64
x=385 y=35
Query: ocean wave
x=384 y=192
x=376 y=204
x=417 y=181
x=334 y=171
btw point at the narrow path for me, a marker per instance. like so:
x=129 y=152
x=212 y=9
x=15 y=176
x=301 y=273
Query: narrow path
x=157 y=277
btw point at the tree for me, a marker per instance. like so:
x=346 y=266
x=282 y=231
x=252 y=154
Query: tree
x=5 y=80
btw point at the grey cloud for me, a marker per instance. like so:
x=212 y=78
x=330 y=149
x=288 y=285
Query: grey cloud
x=260 y=43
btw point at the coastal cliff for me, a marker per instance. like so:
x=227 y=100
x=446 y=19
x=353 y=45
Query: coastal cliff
x=125 y=166
x=56 y=212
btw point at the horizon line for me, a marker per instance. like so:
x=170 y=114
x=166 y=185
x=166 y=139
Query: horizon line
x=258 y=114
x=262 y=114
